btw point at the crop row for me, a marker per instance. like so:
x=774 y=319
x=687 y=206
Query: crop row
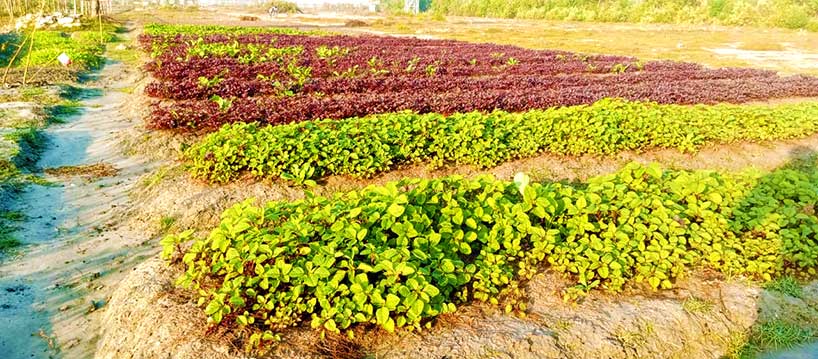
x=397 y=255
x=221 y=77
x=217 y=111
x=172 y=31
x=381 y=59
x=366 y=146
x=234 y=86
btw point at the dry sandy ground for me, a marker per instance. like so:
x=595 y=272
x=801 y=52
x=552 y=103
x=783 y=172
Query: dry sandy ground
x=70 y=264
x=787 y=51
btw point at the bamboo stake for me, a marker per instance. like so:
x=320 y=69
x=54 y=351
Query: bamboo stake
x=28 y=58
x=31 y=46
x=11 y=12
x=14 y=58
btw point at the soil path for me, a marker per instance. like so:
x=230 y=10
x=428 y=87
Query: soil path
x=69 y=263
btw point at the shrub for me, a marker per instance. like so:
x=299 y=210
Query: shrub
x=791 y=17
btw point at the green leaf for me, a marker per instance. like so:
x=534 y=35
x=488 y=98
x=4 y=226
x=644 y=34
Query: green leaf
x=382 y=315
x=654 y=170
x=395 y=210
x=389 y=325
x=331 y=326
x=392 y=301
x=431 y=291
x=447 y=266
x=580 y=203
x=654 y=282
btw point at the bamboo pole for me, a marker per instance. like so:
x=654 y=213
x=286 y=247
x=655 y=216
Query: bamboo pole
x=11 y=11
x=14 y=58
x=28 y=58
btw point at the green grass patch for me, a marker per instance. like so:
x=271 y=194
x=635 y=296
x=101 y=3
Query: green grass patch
x=19 y=150
x=695 y=305
x=786 y=285
x=774 y=336
x=8 y=243
x=13 y=216
x=59 y=112
x=76 y=93
x=166 y=223
x=363 y=147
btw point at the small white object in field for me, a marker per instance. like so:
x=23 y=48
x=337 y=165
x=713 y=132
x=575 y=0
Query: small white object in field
x=521 y=180
x=680 y=45
x=121 y=47
x=64 y=59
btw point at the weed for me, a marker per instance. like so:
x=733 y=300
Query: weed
x=13 y=216
x=634 y=339
x=735 y=345
x=8 y=243
x=563 y=325
x=785 y=285
x=695 y=305
x=776 y=335
x=166 y=223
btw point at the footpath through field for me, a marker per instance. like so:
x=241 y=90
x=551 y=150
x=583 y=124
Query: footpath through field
x=53 y=289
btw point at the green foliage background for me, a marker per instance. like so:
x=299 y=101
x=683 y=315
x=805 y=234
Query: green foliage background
x=791 y=14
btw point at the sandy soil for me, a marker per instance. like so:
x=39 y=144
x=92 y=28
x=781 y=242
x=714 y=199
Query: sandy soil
x=72 y=260
x=786 y=51
x=147 y=309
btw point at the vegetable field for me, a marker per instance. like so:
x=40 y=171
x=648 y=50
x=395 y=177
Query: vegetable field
x=266 y=103
x=281 y=78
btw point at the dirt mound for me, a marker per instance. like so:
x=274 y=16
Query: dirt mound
x=149 y=318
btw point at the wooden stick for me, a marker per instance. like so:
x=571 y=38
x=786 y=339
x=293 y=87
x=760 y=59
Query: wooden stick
x=28 y=57
x=31 y=46
x=14 y=58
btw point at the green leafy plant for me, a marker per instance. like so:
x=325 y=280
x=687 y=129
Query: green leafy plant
x=412 y=65
x=620 y=68
x=224 y=103
x=376 y=67
x=431 y=70
x=349 y=73
x=365 y=146
x=208 y=83
x=331 y=55
x=786 y=285
x=398 y=255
